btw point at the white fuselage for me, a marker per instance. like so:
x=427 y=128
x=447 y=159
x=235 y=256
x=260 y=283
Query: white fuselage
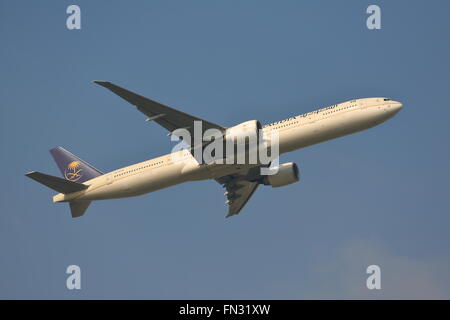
x=294 y=133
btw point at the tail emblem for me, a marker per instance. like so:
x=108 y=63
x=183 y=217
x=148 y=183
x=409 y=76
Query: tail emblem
x=73 y=171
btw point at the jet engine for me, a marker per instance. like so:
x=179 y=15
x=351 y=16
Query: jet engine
x=284 y=174
x=241 y=143
x=240 y=133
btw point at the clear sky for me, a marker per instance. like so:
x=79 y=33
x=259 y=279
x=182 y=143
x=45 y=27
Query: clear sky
x=377 y=197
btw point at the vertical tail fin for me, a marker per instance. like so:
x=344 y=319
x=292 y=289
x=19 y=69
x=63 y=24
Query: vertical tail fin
x=73 y=168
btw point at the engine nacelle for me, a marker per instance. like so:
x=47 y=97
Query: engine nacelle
x=239 y=133
x=286 y=173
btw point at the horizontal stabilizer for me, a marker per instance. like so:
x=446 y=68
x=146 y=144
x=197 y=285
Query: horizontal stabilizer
x=56 y=183
x=78 y=207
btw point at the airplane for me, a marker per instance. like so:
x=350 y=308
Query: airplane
x=82 y=183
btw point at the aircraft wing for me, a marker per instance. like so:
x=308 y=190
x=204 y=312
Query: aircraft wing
x=238 y=192
x=169 y=118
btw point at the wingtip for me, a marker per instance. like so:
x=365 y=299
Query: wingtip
x=101 y=82
x=28 y=174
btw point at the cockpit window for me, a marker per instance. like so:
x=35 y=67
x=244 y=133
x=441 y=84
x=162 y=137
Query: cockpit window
x=387 y=99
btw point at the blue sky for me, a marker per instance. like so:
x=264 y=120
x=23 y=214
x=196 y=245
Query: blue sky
x=376 y=197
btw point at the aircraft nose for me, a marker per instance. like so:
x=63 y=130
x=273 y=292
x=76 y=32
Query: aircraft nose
x=395 y=107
